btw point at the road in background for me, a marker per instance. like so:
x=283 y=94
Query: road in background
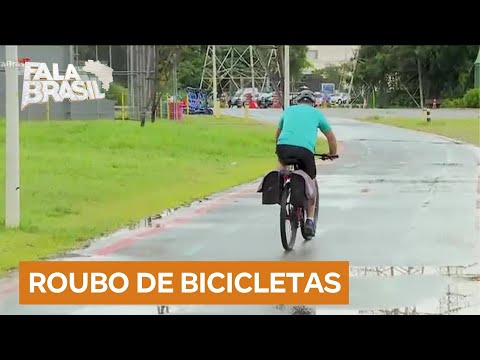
x=401 y=206
x=361 y=113
x=408 y=113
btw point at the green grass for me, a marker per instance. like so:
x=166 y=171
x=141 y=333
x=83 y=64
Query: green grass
x=466 y=129
x=80 y=180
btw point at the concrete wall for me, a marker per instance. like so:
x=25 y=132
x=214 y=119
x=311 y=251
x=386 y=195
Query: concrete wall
x=96 y=109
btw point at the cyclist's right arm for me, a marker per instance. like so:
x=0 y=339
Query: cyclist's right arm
x=326 y=129
x=279 y=129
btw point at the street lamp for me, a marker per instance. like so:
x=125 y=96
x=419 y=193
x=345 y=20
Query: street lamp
x=12 y=139
x=286 y=78
x=477 y=70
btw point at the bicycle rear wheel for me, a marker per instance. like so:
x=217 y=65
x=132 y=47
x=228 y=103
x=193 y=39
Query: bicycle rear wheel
x=288 y=220
x=302 y=225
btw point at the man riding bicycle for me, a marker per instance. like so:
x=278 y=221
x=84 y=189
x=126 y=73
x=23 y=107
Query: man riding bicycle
x=296 y=138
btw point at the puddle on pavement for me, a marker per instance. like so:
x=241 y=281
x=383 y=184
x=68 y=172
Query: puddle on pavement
x=414 y=181
x=470 y=272
x=237 y=310
x=152 y=221
x=63 y=256
x=447 y=164
x=149 y=222
x=297 y=309
x=457 y=298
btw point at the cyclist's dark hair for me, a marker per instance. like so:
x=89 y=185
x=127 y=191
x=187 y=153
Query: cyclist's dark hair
x=306 y=96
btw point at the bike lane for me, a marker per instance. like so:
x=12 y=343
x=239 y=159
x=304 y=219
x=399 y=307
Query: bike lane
x=383 y=207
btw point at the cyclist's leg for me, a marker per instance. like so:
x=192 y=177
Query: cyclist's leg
x=306 y=161
x=308 y=165
x=283 y=154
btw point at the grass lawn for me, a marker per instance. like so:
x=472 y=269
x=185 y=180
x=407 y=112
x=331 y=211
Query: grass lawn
x=467 y=129
x=82 y=179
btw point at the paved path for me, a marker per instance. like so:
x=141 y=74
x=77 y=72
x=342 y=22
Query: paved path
x=396 y=202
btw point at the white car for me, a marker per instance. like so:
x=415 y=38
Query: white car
x=340 y=98
x=318 y=98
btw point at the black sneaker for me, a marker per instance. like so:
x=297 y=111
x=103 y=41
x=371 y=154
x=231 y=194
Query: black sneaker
x=309 y=228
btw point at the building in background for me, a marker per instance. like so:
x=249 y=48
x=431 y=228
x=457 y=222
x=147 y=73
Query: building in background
x=321 y=56
x=61 y=55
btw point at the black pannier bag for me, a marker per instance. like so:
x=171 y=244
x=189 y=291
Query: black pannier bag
x=271 y=188
x=298 y=191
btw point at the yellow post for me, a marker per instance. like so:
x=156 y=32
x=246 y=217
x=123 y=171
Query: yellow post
x=188 y=106
x=123 y=105
x=216 y=109
x=48 y=109
x=246 y=108
x=168 y=109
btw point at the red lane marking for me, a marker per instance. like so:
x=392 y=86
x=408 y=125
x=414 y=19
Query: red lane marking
x=116 y=246
x=8 y=290
x=169 y=223
x=165 y=225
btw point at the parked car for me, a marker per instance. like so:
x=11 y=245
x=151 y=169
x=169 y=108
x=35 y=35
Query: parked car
x=318 y=98
x=240 y=97
x=339 y=98
x=265 y=100
x=235 y=98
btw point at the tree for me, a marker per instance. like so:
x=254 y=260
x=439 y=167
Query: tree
x=395 y=70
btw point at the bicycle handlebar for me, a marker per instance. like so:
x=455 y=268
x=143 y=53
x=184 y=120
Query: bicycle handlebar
x=327 y=156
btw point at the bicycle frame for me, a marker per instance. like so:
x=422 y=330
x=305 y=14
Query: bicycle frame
x=286 y=179
x=297 y=216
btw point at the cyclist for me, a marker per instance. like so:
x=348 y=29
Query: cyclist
x=296 y=138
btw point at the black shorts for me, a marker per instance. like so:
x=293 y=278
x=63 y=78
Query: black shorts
x=305 y=158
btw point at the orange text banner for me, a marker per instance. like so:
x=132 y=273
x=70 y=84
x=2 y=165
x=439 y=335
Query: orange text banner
x=184 y=282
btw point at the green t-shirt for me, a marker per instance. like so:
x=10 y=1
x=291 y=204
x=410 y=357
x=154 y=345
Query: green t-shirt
x=300 y=124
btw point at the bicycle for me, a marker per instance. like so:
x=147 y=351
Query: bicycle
x=295 y=214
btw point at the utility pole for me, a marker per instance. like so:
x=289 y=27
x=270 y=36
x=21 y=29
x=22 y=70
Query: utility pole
x=355 y=61
x=214 y=80
x=12 y=140
x=420 y=82
x=477 y=70
x=252 y=68
x=286 y=78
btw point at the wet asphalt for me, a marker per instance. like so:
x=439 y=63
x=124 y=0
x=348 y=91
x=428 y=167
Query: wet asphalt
x=401 y=206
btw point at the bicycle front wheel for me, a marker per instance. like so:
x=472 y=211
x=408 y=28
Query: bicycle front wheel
x=288 y=220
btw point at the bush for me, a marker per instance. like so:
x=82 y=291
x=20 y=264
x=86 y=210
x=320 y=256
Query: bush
x=471 y=98
x=453 y=103
x=115 y=93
